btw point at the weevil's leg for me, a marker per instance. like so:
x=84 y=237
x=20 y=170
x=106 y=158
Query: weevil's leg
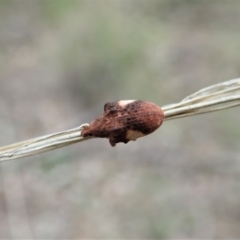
x=85 y=125
x=118 y=135
x=112 y=142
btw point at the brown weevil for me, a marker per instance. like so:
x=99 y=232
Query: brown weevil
x=125 y=120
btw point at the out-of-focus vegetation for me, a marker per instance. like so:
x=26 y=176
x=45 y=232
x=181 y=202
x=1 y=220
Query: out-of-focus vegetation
x=60 y=61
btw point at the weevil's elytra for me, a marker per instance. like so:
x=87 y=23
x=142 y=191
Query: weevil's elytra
x=123 y=121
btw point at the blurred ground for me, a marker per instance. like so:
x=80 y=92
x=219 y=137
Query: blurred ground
x=60 y=61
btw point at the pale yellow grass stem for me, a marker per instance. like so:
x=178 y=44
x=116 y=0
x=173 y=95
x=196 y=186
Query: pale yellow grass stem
x=213 y=98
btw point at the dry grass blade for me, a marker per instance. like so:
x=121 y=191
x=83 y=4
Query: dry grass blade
x=42 y=144
x=213 y=98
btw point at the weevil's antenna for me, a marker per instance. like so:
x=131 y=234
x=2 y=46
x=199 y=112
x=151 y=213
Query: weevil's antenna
x=213 y=98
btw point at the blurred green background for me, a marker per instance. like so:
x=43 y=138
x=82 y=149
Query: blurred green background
x=60 y=61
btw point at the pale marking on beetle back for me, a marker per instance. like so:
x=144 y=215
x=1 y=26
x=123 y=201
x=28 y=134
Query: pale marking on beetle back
x=123 y=103
x=133 y=135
